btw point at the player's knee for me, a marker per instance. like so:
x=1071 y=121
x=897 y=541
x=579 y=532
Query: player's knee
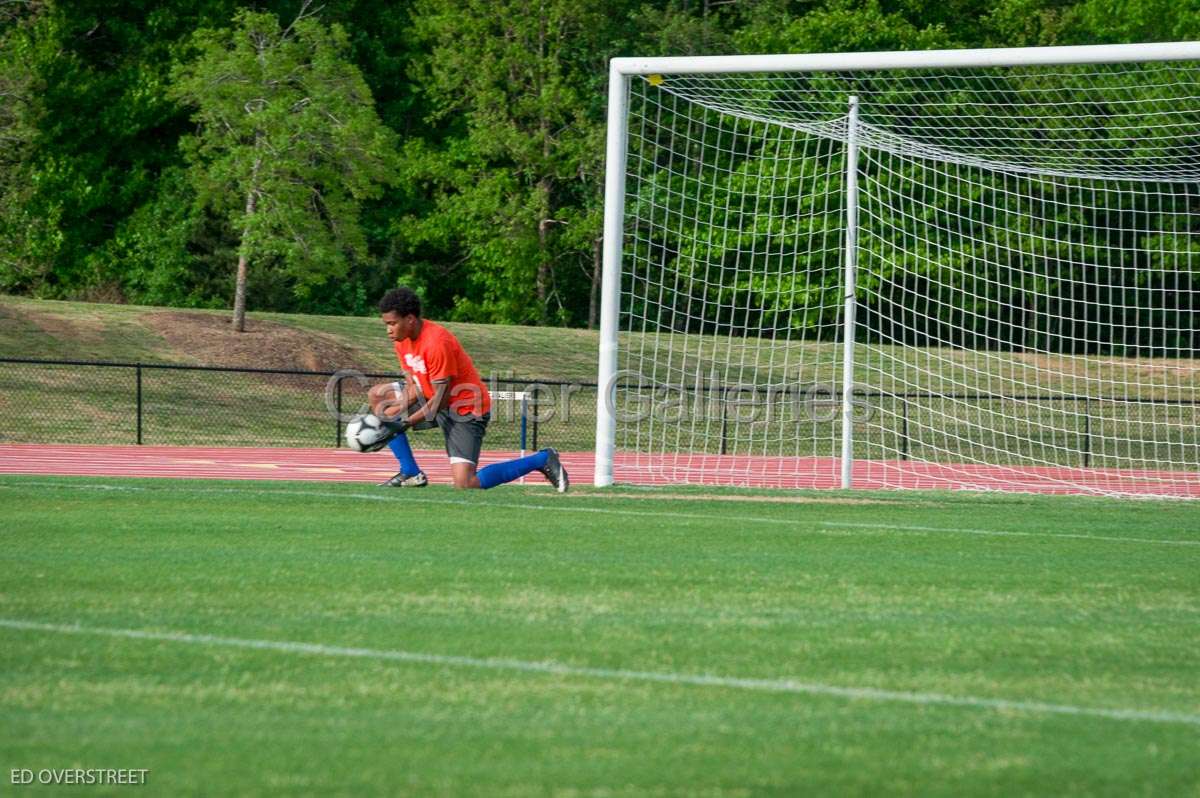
x=465 y=481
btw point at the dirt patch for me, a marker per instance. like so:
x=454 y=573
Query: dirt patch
x=209 y=339
x=1092 y=366
x=80 y=330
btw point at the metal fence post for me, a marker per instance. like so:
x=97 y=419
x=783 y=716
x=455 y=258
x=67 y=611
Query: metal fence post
x=337 y=421
x=904 y=433
x=524 y=421
x=724 y=420
x=1087 y=432
x=138 y=372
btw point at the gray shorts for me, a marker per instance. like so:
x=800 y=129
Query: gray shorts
x=464 y=435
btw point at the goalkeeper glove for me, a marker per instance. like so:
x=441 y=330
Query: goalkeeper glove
x=396 y=426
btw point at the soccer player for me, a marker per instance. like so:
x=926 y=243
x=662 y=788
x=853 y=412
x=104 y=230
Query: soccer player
x=443 y=388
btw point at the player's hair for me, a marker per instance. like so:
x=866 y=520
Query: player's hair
x=402 y=301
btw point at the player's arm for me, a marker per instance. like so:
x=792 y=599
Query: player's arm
x=412 y=392
x=437 y=403
x=386 y=402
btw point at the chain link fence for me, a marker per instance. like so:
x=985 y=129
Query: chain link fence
x=89 y=402
x=806 y=421
x=156 y=404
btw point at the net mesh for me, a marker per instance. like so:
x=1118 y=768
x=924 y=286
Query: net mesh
x=1026 y=286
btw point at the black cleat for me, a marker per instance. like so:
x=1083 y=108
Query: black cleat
x=555 y=473
x=417 y=480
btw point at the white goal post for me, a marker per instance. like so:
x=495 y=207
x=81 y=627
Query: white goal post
x=957 y=269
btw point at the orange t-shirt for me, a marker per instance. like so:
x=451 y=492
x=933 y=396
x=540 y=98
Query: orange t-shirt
x=437 y=355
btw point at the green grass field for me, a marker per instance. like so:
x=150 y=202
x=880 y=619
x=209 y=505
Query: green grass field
x=621 y=643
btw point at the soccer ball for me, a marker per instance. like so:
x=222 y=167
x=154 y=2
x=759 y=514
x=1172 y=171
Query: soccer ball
x=367 y=433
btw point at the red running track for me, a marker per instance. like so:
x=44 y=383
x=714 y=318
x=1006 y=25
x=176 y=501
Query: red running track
x=340 y=465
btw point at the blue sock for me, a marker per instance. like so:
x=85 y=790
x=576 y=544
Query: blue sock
x=499 y=473
x=400 y=448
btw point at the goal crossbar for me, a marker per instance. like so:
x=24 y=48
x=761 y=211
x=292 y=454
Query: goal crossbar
x=908 y=59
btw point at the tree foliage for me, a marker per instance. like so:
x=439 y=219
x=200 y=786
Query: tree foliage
x=23 y=263
x=453 y=145
x=288 y=144
x=514 y=184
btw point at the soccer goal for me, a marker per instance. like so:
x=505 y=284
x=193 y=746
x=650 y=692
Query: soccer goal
x=974 y=269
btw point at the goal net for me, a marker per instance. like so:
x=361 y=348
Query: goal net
x=905 y=270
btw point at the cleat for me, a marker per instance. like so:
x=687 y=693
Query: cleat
x=555 y=473
x=417 y=480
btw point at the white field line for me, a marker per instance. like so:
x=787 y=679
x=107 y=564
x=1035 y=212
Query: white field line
x=1004 y=533
x=408 y=498
x=620 y=674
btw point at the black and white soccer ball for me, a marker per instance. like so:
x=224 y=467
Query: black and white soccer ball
x=367 y=433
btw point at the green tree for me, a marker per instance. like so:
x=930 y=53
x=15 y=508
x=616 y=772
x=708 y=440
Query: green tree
x=19 y=87
x=843 y=26
x=101 y=133
x=515 y=184
x=288 y=144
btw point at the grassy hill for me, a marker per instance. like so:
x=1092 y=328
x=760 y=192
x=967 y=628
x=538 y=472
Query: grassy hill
x=85 y=331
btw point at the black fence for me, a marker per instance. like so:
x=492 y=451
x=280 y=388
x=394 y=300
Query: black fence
x=100 y=402
x=90 y=402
